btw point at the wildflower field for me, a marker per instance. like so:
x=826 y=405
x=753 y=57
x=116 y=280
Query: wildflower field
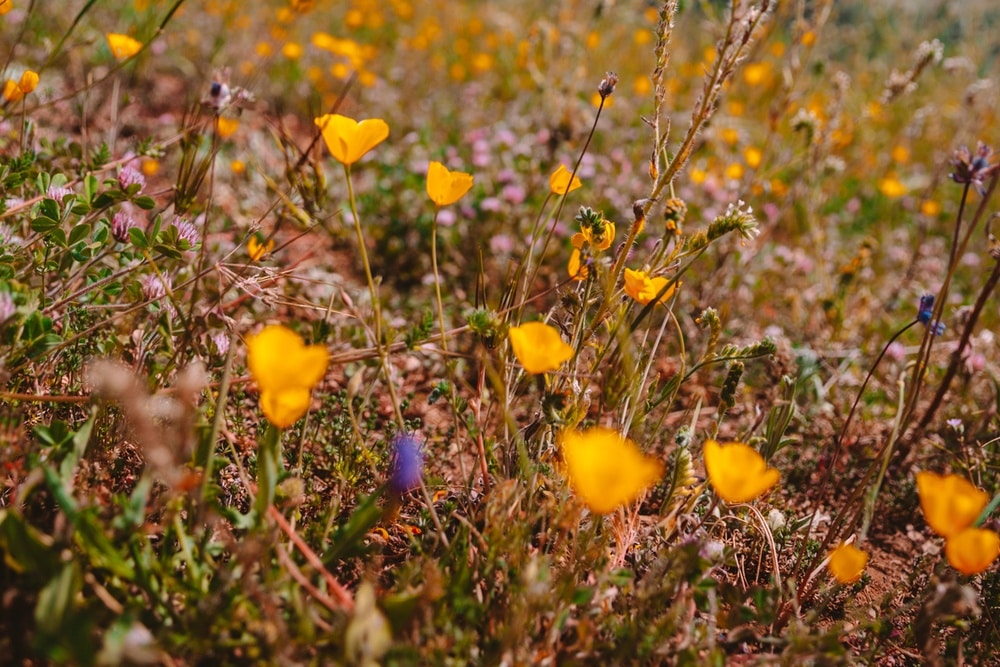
x=584 y=332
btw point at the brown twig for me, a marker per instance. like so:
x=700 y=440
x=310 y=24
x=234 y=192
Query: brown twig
x=343 y=597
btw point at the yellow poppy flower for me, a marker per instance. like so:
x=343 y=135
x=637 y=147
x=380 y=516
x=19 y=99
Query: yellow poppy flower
x=28 y=82
x=599 y=239
x=539 y=347
x=285 y=370
x=11 y=91
x=227 y=127
x=444 y=186
x=972 y=550
x=847 y=563
x=605 y=469
x=738 y=472
x=560 y=183
x=576 y=268
x=123 y=47
x=256 y=249
x=644 y=289
x=348 y=139
x=950 y=503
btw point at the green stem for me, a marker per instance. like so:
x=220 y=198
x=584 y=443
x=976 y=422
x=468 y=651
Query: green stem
x=268 y=468
x=376 y=304
x=437 y=278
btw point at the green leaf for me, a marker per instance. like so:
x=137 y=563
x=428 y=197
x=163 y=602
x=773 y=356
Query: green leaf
x=90 y=186
x=24 y=548
x=55 y=601
x=79 y=233
x=43 y=224
x=583 y=595
x=145 y=203
x=268 y=469
x=138 y=238
x=49 y=208
x=55 y=435
x=348 y=537
x=106 y=199
x=167 y=251
x=57 y=237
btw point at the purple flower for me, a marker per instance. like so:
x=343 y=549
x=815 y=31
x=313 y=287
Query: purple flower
x=926 y=311
x=221 y=342
x=407 y=464
x=121 y=224
x=973 y=169
x=154 y=288
x=186 y=231
x=58 y=193
x=129 y=177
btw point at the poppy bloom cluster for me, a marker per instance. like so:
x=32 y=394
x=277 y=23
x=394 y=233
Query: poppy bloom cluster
x=951 y=508
x=13 y=91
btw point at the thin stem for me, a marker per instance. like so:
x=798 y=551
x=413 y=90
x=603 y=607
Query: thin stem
x=963 y=343
x=437 y=278
x=562 y=200
x=923 y=356
x=376 y=303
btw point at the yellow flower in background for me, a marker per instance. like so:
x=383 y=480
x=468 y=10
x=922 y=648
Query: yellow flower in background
x=285 y=370
x=11 y=91
x=28 y=82
x=560 y=183
x=539 y=347
x=123 y=47
x=348 y=139
x=256 y=249
x=644 y=289
x=292 y=50
x=930 y=207
x=756 y=73
x=446 y=187
x=738 y=472
x=892 y=187
x=734 y=171
x=950 y=502
x=6 y=6
x=150 y=167
x=605 y=469
x=753 y=156
x=847 y=563
x=972 y=550
x=227 y=127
